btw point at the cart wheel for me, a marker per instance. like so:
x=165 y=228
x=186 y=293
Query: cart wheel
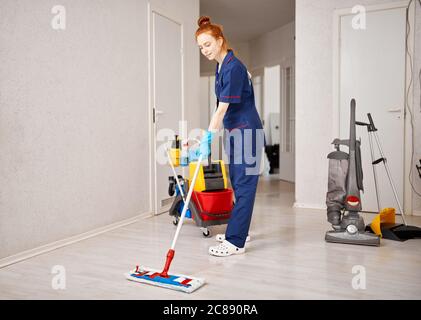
x=175 y=221
x=206 y=233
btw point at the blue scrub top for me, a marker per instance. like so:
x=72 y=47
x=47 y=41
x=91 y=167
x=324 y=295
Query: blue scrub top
x=233 y=86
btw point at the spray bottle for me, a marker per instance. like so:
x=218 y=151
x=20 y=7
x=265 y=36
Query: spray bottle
x=184 y=153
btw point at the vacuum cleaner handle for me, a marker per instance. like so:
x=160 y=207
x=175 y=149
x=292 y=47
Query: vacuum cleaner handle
x=372 y=128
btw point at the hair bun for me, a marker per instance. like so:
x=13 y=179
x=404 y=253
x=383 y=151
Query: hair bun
x=203 y=20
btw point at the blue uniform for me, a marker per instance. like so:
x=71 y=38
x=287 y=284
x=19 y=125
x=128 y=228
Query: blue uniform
x=244 y=142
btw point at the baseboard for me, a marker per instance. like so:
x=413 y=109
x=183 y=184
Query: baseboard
x=416 y=213
x=308 y=206
x=65 y=242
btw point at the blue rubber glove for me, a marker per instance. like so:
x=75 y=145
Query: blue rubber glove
x=204 y=148
x=194 y=155
x=205 y=144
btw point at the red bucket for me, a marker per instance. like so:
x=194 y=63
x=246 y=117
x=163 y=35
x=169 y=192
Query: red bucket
x=215 y=205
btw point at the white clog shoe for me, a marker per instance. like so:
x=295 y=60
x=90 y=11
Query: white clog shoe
x=221 y=237
x=225 y=249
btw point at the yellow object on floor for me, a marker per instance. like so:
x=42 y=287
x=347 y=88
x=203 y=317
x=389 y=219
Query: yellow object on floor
x=387 y=215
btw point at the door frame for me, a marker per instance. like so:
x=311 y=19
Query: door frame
x=155 y=9
x=283 y=113
x=259 y=72
x=409 y=94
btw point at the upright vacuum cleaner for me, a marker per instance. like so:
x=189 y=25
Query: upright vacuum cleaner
x=343 y=198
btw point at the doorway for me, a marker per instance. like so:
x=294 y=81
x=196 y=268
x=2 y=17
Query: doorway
x=371 y=69
x=166 y=92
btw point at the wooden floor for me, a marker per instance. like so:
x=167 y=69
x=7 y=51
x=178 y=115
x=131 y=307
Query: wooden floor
x=286 y=259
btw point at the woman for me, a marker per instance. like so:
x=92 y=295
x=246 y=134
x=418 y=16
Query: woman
x=244 y=135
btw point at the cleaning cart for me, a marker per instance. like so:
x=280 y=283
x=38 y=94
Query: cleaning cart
x=212 y=200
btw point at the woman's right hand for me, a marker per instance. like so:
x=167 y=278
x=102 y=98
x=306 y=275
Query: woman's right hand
x=194 y=154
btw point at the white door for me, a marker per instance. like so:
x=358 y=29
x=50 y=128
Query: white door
x=167 y=97
x=287 y=121
x=372 y=70
x=272 y=103
x=258 y=88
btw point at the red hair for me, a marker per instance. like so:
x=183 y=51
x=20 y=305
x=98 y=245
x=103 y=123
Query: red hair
x=215 y=30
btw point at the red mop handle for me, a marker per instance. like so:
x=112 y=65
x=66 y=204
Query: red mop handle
x=170 y=256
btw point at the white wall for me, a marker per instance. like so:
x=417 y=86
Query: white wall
x=74 y=134
x=417 y=113
x=314 y=85
x=274 y=47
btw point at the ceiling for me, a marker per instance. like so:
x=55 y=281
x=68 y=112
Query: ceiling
x=244 y=20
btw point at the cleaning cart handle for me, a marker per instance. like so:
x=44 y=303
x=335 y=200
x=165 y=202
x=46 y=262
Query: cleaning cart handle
x=372 y=127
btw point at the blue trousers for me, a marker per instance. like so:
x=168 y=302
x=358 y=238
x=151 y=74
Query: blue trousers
x=244 y=176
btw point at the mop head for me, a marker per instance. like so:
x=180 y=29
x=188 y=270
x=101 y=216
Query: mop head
x=176 y=282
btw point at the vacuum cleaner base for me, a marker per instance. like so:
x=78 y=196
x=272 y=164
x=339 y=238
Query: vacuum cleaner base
x=365 y=239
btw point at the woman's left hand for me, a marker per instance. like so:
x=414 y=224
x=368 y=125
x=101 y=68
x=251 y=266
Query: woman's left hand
x=205 y=144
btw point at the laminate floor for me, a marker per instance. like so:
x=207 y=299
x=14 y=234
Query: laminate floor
x=286 y=259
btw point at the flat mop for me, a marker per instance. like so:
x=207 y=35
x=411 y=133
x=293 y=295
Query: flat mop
x=178 y=282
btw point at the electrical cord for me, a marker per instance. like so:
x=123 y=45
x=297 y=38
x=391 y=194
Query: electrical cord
x=408 y=31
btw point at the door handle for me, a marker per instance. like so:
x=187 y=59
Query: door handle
x=156 y=113
x=394 y=110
